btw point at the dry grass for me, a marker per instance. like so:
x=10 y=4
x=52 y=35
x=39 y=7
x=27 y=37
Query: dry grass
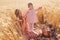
x=51 y=11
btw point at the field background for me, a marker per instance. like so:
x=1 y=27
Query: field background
x=50 y=8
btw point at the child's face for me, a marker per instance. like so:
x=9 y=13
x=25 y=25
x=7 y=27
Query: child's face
x=31 y=7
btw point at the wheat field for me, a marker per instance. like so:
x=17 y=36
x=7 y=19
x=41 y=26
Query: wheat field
x=50 y=8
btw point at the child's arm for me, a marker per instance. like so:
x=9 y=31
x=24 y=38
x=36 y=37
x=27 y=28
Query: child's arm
x=38 y=9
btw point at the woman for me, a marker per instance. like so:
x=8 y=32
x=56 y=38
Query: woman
x=19 y=20
x=19 y=16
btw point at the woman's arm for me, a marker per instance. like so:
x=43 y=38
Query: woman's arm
x=18 y=28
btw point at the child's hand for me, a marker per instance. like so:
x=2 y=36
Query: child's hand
x=38 y=9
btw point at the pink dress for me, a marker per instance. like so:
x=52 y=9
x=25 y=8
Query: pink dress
x=31 y=18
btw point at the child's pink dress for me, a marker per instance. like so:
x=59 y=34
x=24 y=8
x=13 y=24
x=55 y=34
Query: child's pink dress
x=31 y=18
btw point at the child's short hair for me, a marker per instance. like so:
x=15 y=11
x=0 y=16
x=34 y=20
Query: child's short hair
x=29 y=4
x=17 y=12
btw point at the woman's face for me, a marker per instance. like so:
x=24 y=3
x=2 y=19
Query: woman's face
x=20 y=14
